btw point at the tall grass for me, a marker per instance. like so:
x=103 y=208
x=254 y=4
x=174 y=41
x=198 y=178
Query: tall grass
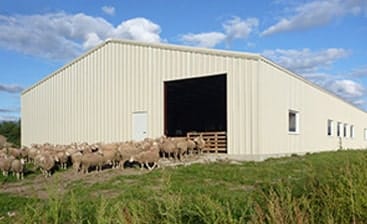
x=329 y=188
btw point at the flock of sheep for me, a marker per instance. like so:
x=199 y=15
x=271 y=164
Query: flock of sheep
x=85 y=157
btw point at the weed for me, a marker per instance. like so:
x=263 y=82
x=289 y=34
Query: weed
x=316 y=188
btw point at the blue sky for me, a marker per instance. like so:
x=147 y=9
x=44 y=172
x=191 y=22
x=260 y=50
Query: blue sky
x=324 y=41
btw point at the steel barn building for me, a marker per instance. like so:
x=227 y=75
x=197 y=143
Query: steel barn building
x=123 y=90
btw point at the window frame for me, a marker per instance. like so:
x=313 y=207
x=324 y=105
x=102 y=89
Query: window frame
x=339 y=129
x=345 y=130
x=330 y=128
x=297 y=128
x=351 y=131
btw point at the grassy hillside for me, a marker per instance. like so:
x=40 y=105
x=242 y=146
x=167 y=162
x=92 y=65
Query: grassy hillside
x=318 y=188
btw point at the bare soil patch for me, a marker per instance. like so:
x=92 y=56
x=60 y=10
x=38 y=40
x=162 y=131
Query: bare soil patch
x=39 y=186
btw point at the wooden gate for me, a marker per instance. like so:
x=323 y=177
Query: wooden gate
x=214 y=141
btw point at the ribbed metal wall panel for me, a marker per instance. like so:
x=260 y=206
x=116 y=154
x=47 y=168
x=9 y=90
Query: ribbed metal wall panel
x=279 y=93
x=93 y=98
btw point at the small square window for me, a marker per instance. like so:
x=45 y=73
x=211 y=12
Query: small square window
x=293 y=121
x=330 y=127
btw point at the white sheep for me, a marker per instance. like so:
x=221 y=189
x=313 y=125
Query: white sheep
x=76 y=159
x=17 y=167
x=168 y=148
x=151 y=156
x=5 y=165
x=63 y=158
x=111 y=155
x=47 y=163
x=191 y=145
x=181 y=147
x=127 y=150
x=200 y=143
x=91 y=160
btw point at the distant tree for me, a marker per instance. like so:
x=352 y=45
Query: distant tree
x=11 y=130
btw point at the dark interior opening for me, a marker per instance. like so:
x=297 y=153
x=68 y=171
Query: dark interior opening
x=195 y=104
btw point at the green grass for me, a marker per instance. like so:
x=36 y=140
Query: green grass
x=328 y=187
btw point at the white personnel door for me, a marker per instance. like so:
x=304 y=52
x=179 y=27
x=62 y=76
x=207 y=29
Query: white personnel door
x=140 y=125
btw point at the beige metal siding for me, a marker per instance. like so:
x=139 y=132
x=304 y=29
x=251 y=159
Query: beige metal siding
x=93 y=98
x=280 y=92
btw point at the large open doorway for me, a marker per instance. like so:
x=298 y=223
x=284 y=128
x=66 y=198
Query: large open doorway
x=195 y=105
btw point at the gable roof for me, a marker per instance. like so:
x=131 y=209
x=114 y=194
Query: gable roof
x=191 y=49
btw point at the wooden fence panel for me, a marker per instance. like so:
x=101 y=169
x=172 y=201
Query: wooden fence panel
x=214 y=141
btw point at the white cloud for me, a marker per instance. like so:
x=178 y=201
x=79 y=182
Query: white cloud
x=310 y=63
x=348 y=89
x=109 y=10
x=64 y=36
x=237 y=28
x=316 y=13
x=10 y=88
x=359 y=102
x=305 y=60
x=138 y=29
x=322 y=79
x=91 y=40
x=360 y=71
x=204 y=39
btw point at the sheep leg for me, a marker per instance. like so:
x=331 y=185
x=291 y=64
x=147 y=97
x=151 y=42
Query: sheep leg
x=122 y=162
x=18 y=176
x=154 y=165
x=85 y=169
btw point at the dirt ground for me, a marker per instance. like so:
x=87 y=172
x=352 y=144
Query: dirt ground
x=39 y=186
